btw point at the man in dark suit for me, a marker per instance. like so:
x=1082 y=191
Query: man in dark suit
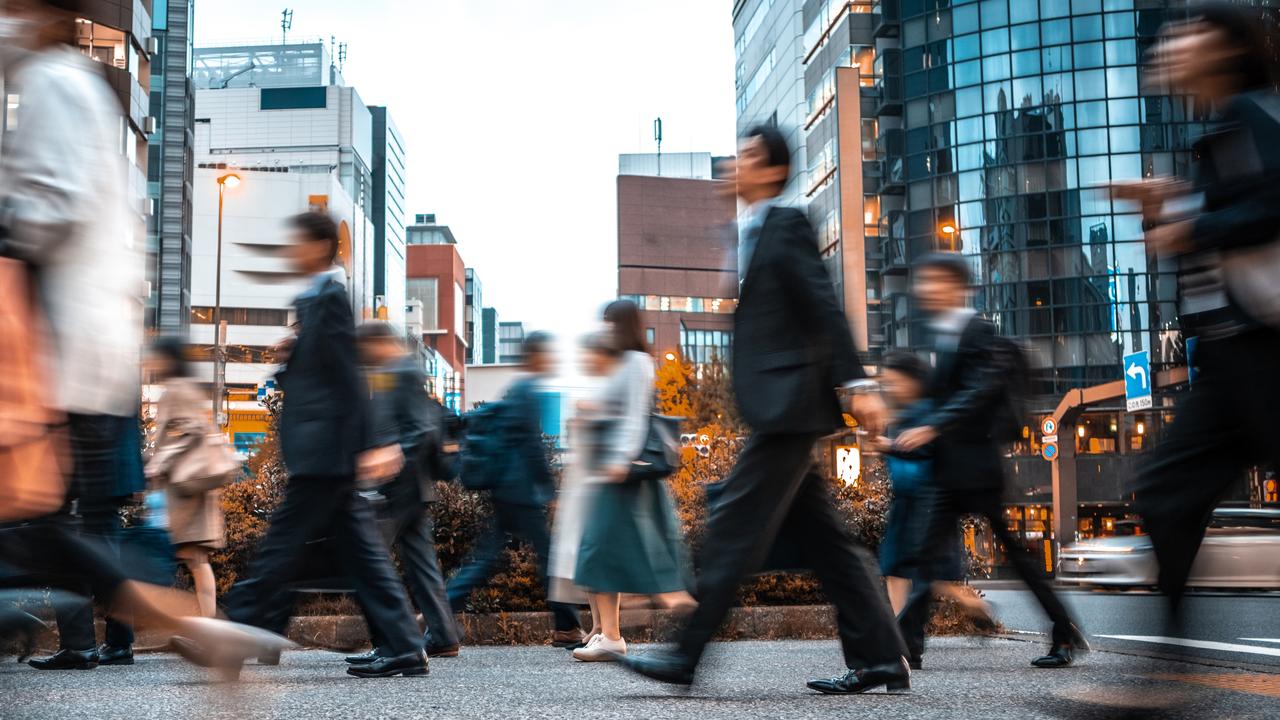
x=322 y=435
x=404 y=417
x=792 y=350
x=520 y=500
x=966 y=389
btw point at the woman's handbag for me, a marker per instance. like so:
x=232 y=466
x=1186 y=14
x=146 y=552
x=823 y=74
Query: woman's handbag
x=32 y=481
x=660 y=455
x=207 y=464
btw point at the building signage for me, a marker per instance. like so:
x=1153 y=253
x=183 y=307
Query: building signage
x=1137 y=381
x=848 y=464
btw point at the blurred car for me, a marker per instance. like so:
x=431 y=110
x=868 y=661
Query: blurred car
x=1241 y=549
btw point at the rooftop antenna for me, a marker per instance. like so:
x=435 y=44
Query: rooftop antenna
x=657 y=136
x=342 y=56
x=286 y=24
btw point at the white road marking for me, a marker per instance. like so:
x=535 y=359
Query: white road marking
x=1270 y=640
x=1201 y=644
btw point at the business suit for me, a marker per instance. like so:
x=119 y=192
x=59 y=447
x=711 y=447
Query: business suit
x=519 y=503
x=965 y=389
x=792 y=349
x=321 y=432
x=404 y=415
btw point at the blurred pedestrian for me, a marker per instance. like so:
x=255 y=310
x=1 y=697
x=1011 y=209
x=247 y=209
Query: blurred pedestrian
x=631 y=540
x=1221 y=227
x=322 y=435
x=404 y=417
x=194 y=515
x=904 y=559
x=966 y=392
x=521 y=497
x=792 y=349
x=65 y=212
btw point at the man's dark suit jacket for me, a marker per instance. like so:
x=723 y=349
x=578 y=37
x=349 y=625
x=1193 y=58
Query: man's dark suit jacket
x=792 y=347
x=321 y=423
x=527 y=479
x=401 y=413
x=966 y=389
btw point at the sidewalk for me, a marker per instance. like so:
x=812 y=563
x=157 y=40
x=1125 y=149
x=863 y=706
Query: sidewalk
x=964 y=678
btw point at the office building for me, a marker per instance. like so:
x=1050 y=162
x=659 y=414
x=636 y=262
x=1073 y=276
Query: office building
x=170 y=167
x=426 y=231
x=436 y=286
x=677 y=260
x=279 y=117
x=695 y=166
x=388 y=217
x=510 y=341
x=488 y=336
x=473 y=316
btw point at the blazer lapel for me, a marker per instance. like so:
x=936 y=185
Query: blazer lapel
x=753 y=263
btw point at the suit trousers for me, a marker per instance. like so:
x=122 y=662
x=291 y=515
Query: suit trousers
x=311 y=507
x=1221 y=427
x=523 y=522
x=96 y=442
x=948 y=506
x=773 y=485
x=414 y=540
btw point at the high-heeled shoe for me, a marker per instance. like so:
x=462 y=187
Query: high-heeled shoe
x=23 y=627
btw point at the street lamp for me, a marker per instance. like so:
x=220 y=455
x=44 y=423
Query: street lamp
x=948 y=229
x=232 y=181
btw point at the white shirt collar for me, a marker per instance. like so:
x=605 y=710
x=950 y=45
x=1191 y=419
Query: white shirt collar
x=952 y=321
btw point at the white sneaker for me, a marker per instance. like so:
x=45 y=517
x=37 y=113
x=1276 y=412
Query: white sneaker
x=601 y=649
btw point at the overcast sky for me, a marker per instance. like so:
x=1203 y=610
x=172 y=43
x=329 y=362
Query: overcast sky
x=514 y=113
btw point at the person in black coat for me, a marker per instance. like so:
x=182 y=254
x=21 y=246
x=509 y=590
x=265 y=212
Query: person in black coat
x=520 y=500
x=966 y=390
x=792 y=350
x=322 y=436
x=405 y=417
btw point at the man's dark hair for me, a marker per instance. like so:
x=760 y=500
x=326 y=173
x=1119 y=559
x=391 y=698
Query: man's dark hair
x=909 y=364
x=775 y=145
x=950 y=263
x=317 y=227
x=536 y=342
x=173 y=349
x=376 y=330
x=1251 y=34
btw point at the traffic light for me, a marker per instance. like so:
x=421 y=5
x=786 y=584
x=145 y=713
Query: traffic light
x=1270 y=492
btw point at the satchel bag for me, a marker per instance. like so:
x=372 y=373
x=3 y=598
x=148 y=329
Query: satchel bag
x=207 y=464
x=32 y=456
x=660 y=455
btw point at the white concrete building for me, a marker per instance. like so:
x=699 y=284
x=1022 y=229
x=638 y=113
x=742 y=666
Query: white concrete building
x=299 y=140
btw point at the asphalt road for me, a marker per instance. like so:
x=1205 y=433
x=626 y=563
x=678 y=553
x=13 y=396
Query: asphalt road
x=1241 y=628
x=965 y=678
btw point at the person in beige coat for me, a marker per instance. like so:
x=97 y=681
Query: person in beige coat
x=195 y=521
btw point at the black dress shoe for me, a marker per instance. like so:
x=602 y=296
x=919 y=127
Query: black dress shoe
x=667 y=667
x=363 y=658
x=21 y=627
x=67 y=660
x=894 y=677
x=1062 y=653
x=112 y=655
x=915 y=663
x=414 y=663
x=270 y=657
x=447 y=651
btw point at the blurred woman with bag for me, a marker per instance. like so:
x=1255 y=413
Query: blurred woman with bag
x=190 y=465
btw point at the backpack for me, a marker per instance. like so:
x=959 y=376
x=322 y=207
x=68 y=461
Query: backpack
x=1010 y=360
x=483 y=451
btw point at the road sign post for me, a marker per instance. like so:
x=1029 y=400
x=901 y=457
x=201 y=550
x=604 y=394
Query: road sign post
x=1137 y=380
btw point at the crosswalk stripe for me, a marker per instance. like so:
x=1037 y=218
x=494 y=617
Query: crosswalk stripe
x=1200 y=644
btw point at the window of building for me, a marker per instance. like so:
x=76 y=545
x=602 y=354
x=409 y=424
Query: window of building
x=104 y=44
x=425 y=290
x=1098 y=433
x=294 y=98
x=203 y=315
x=649 y=336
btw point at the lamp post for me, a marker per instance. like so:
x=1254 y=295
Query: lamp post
x=230 y=180
x=948 y=229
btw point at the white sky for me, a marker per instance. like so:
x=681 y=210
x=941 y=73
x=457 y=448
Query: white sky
x=514 y=113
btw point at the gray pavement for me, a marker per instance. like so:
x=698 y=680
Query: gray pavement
x=964 y=678
x=1231 y=627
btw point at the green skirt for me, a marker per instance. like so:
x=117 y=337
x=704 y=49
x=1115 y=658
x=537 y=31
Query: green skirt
x=631 y=540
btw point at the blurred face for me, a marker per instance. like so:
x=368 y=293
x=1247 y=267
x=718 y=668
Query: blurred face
x=379 y=351
x=899 y=388
x=938 y=290
x=30 y=24
x=750 y=174
x=159 y=365
x=1193 y=57
x=306 y=255
x=539 y=362
x=598 y=363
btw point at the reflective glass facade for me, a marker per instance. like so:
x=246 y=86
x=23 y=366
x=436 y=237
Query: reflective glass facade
x=1013 y=115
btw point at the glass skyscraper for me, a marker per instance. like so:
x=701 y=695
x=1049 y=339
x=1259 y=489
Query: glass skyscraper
x=1015 y=114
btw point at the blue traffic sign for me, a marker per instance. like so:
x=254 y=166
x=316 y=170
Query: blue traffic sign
x=1137 y=380
x=1049 y=451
